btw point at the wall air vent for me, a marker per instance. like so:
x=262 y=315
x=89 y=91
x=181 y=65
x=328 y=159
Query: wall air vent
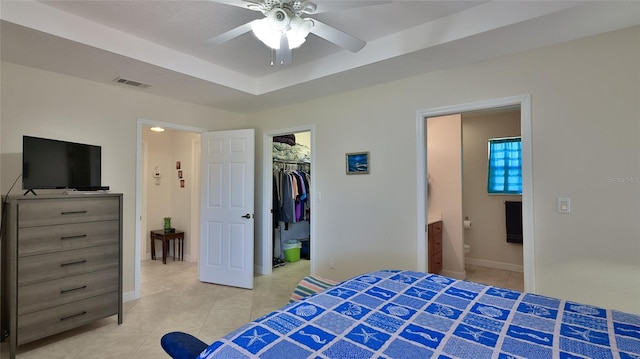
x=131 y=82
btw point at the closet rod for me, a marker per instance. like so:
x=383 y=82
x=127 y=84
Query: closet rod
x=292 y=162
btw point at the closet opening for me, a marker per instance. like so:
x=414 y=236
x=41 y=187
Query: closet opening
x=291 y=200
x=288 y=241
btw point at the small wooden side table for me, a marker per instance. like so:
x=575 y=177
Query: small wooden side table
x=166 y=237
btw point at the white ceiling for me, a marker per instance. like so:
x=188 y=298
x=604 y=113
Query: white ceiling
x=161 y=43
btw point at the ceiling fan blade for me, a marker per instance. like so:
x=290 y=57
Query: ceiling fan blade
x=338 y=37
x=245 y=4
x=326 y=6
x=231 y=34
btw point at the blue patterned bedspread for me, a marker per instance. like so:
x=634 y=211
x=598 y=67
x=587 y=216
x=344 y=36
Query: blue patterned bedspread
x=404 y=314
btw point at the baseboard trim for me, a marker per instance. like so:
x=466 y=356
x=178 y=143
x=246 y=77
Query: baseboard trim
x=494 y=264
x=454 y=274
x=258 y=269
x=187 y=257
x=128 y=296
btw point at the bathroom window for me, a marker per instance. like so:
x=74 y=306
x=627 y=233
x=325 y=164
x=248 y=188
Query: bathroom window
x=505 y=166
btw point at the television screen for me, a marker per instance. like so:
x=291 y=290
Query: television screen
x=50 y=163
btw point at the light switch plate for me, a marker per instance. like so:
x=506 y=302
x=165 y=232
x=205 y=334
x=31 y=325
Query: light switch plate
x=564 y=205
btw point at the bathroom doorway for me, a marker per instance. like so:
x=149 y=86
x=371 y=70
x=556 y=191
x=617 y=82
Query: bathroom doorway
x=455 y=267
x=485 y=234
x=457 y=151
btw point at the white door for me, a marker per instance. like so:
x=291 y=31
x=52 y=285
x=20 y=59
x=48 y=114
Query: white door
x=226 y=209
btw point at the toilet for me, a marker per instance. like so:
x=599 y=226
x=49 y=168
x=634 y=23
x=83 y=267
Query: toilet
x=467 y=248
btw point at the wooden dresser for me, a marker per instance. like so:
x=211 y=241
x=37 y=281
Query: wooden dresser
x=434 y=231
x=62 y=264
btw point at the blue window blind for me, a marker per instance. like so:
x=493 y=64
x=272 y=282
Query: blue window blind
x=505 y=166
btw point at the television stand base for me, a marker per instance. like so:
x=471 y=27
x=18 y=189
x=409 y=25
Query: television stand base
x=30 y=190
x=90 y=189
x=72 y=192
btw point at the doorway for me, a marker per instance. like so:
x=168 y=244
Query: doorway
x=182 y=185
x=170 y=177
x=457 y=148
x=524 y=102
x=485 y=235
x=267 y=247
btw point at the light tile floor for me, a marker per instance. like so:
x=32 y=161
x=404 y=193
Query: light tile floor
x=172 y=299
x=496 y=277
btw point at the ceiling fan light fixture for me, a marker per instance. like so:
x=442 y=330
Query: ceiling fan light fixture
x=296 y=35
x=295 y=40
x=279 y=19
x=283 y=28
x=266 y=34
x=300 y=29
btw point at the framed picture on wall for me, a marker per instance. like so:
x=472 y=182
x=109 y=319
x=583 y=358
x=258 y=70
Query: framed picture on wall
x=357 y=163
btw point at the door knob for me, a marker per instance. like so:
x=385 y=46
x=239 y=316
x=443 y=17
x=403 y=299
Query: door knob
x=247 y=216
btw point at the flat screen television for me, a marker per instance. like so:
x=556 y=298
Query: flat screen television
x=49 y=164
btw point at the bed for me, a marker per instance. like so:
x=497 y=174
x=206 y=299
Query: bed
x=406 y=314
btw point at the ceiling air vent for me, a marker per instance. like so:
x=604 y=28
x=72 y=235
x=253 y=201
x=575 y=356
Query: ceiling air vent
x=131 y=82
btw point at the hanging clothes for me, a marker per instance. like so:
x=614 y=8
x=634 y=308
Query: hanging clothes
x=288 y=199
x=290 y=194
x=276 y=203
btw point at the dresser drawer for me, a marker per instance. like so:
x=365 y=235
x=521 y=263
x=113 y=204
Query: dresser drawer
x=56 y=292
x=435 y=244
x=43 y=323
x=42 y=267
x=435 y=228
x=62 y=211
x=36 y=240
x=435 y=263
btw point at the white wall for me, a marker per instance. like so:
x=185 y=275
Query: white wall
x=182 y=206
x=586 y=135
x=444 y=165
x=46 y=104
x=303 y=138
x=159 y=196
x=487 y=235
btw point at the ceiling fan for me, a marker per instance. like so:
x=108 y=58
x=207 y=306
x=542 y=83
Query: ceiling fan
x=284 y=28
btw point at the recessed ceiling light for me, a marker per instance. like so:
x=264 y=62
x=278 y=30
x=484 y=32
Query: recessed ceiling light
x=157 y=129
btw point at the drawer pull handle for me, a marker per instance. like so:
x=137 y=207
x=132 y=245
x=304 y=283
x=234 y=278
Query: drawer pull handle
x=72 y=263
x=73 y=212
x=73 y=316
x=73 y=289
x=73 y=237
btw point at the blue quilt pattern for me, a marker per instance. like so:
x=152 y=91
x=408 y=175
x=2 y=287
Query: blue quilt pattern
x=406 y=314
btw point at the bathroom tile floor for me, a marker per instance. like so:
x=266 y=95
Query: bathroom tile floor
x=172 y=299
x=496 y=277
